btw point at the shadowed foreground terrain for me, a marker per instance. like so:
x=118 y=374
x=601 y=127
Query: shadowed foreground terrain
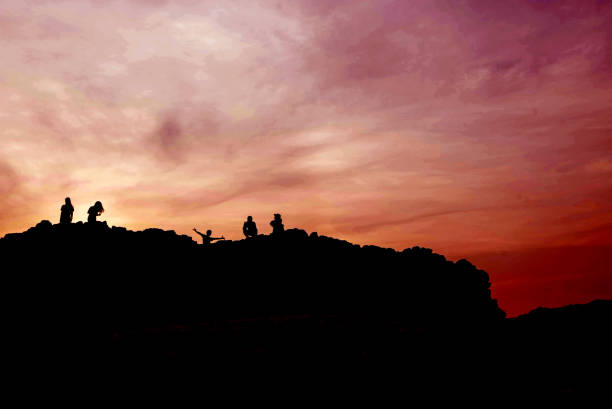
x=100 y=295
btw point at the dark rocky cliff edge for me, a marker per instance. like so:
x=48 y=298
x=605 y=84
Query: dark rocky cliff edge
x=94 y=293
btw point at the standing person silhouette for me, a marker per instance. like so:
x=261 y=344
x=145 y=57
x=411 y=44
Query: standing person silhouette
x=94 y=211
x=277 y=224
x=206 y=239
x=249 y=228
x=66 y=212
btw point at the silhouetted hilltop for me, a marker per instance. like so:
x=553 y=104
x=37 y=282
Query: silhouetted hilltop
x=90 y=291
x=595 y=314
x=563 y=349
x=293 y=272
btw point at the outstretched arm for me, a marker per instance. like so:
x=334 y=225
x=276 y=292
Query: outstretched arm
x=194 y=229
x=218 y=238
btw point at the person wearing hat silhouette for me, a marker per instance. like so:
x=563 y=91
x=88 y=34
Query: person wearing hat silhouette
x=277 y=224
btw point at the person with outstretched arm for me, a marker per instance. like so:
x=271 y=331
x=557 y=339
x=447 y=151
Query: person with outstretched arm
x=206 y=238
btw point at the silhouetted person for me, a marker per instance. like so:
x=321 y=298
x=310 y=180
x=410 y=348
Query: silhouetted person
x=66 y=212
x=206 y=238
x=94 y=211
x=249 y=228
x=277 y=224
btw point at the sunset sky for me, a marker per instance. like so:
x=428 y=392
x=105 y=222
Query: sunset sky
x=480 y=129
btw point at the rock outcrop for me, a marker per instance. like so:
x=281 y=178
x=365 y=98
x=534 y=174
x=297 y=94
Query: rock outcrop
x=89 y=291
x=174 y=277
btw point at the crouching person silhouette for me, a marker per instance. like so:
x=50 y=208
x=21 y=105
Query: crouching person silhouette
x=206 y=238
x=277 y=224
x=249 y=228
x=94 y=211
x=66 y=212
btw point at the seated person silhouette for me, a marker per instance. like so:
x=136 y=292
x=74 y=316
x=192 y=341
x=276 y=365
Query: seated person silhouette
x=249 y=228
x=94 y=211
x=277 y=224
x=206 y=239
x=66 y=212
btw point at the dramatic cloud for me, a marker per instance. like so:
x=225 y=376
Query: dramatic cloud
x=466 y=126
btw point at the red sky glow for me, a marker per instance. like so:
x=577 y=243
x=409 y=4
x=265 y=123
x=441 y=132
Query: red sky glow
x=480 y=129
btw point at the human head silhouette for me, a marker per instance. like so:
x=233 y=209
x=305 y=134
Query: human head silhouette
x=208 y=232
x=277 y=216
x=250 y=218
x=98 y=206
x=67 y=201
